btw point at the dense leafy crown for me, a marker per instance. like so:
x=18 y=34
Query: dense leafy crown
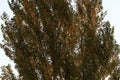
x=53 y=40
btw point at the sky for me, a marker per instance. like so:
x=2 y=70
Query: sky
x=3 y=59
x=113 y=15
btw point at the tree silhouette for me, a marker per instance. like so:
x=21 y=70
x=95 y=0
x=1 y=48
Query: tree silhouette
x=51 y=40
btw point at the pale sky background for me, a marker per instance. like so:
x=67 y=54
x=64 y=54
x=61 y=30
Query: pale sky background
x=113 y=15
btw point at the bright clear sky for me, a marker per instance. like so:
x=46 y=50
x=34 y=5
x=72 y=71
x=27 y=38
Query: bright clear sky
x=3 y=59
x=113 y=15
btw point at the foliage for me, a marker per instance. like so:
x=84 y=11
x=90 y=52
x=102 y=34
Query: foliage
x=7 y=73
x=49 y=40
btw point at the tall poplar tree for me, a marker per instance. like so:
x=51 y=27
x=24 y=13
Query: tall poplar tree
x=53 y=40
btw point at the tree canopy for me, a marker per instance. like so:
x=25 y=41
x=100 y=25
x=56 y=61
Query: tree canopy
x=7 y=73
x=54 y=40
